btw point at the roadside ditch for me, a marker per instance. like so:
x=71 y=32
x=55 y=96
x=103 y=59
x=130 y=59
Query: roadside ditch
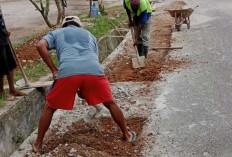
x=134 y=90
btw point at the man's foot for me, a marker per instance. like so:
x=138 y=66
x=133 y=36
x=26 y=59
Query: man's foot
x=17 y=93
x=34 y=149
x=7 y=97
x=10 y=97
x=131 y=138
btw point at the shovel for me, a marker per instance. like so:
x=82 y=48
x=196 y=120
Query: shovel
x=138 y=61
x=27 y=83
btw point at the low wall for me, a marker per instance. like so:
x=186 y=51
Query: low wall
x=109 y=43
x=18 y=119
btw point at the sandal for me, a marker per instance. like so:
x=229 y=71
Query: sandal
x=41 y=151
x=133 y=138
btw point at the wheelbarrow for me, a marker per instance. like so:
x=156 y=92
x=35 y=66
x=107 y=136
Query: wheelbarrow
x=182 y=16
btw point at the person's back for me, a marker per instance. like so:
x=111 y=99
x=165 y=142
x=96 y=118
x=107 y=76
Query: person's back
x=76 y=50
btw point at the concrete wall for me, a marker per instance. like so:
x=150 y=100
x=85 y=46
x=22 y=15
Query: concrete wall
x=18 y=119
x=108 y=44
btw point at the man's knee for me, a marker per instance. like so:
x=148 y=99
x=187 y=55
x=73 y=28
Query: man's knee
x=46 y=107
x=109 y=103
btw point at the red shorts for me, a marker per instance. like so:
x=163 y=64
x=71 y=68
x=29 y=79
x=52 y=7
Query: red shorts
x=95 y=90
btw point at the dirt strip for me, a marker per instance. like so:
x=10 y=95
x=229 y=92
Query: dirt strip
x=122 y=71
x=134 y=90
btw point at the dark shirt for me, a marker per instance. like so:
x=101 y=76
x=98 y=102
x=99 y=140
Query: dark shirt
x=3 y=35
x=143 y=18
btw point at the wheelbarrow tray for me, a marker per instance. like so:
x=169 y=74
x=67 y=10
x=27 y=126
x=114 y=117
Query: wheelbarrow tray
x=181 y=12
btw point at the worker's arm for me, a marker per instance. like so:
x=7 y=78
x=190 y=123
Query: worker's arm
x=143 y=18
x=7 y=33
x=42 y=48
x=136 y=40
x=128 y=14
x=129 y=18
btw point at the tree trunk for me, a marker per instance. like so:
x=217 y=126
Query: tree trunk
x=59 y=11
x=45 y=11
x=90 y=5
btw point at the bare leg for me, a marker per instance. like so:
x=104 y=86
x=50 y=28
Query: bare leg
x=118 y=117
x=13 y=91
x=44 y=123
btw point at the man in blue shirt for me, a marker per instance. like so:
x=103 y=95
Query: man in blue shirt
x=79 y=70
x=140 y=11
x=7 y=62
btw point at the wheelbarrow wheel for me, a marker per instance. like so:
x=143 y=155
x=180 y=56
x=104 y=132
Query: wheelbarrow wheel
x=188 y=23
x=177 y=25
x=178 y=28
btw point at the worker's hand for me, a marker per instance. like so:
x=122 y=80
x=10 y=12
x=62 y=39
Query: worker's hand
x=7 y=33
x=131 y=23
x=136 y=42
x=54 y=74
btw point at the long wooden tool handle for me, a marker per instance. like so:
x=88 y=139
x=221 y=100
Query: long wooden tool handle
x=136 y=49
x=27 y=83
x=156 y=48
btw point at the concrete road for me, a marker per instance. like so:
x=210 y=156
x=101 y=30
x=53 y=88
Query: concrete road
x=23 y=20
x=193 y=117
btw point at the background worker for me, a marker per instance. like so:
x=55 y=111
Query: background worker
x=7 y=62
x=139 y=15
x=79 y=69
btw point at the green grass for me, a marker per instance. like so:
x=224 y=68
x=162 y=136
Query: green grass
x=103 y=24
x=18 y=138
x=2 y=99
x=35 y=70
x=19 y=43
x=113 y=8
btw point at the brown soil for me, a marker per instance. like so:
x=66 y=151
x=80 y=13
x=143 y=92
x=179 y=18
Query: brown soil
x=27 y=51
x=122 y=71
x=102 y=139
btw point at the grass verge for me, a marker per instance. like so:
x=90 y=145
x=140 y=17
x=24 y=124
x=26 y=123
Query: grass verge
x=99 y=26
x=2 y=100
x=36 y=70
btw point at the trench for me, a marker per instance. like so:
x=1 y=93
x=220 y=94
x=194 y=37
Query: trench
x=134 y=90
x=20 y=118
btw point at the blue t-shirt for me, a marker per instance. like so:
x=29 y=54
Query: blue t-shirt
x=143 y=18
x=77 y=51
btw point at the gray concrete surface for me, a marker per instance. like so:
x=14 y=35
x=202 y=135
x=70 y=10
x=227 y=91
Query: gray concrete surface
x=18 y=119
x=193 y=114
